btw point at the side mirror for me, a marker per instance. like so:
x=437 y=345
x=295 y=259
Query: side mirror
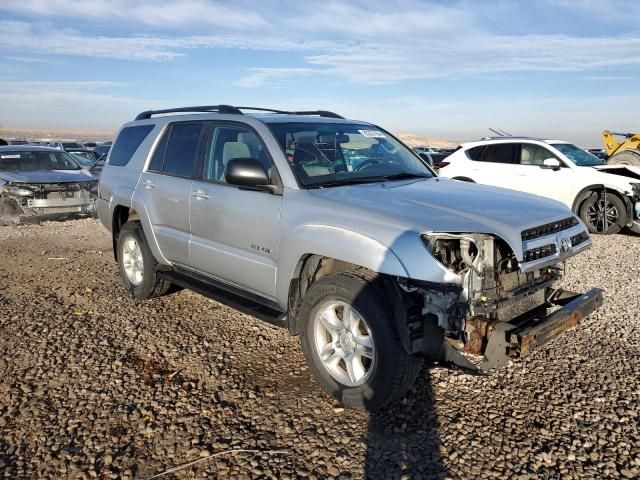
x=246 y=172
x=552 y=163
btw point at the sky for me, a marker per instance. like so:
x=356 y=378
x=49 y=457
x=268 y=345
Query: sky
x=443 y=69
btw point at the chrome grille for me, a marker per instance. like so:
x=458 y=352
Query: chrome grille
x=548 y=228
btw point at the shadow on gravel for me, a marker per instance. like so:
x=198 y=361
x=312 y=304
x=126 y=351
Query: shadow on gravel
x=403 y=441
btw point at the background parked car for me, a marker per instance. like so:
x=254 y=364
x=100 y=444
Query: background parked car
x=598 y=152
x=40 y=182
x=84 y=157
x=102 y=149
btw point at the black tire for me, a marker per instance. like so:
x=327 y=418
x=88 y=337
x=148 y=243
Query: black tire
x=152 y=285
x=392 y=373
x=589 y=210
x=625 y=158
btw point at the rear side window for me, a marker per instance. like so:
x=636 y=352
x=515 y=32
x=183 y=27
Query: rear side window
x=498 y=153
x=475 y=153
x=127 y=143
x=177 y=152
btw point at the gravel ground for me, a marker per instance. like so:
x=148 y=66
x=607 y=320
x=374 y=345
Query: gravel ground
x=96 y=385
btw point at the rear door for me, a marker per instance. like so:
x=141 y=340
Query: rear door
x=166 y=188
x=234 y=231
x=493 y=164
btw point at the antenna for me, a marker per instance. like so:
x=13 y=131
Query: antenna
x=500 y=132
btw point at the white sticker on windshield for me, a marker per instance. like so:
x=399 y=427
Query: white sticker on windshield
x=10 y=156
x=372 y=133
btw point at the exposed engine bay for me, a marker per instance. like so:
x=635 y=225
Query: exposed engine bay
x=25 y=202
x=494 y=294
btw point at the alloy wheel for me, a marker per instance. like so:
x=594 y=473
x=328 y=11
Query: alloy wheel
x=344 y=342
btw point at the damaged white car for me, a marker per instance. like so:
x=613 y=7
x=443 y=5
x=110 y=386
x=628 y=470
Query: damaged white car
x=605 y=197
x=40 y=183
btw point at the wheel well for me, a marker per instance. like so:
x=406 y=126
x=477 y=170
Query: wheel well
x=310 y=269
x=588 y=191
x=121 y=215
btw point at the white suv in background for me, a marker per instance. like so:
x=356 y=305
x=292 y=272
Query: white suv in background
x=605 y=197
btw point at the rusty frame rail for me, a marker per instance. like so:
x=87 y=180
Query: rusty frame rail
x=519 y=340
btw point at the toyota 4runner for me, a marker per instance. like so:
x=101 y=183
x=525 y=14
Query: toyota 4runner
x=373 y=260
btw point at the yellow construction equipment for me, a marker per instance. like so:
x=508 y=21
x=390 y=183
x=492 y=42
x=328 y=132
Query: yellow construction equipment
x=626 y=152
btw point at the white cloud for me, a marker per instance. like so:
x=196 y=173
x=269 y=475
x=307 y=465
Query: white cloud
x=258 y=77
x=155 y=13
x=32 y=60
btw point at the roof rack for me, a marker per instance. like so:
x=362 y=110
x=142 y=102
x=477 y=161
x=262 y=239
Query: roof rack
x=511 y=137
x=229 y=109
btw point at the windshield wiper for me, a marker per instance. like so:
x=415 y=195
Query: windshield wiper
x=405 y=176
x=360 y=180
x=346 y=181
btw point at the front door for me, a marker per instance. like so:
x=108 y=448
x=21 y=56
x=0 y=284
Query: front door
x=532 y=176
x=234 y=231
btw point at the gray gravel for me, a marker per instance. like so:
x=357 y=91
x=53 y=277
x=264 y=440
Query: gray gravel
x=96 y=385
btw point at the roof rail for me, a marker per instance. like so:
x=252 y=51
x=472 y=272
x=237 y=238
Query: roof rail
x=229 y=109
x=203 y=108
x=320 y=113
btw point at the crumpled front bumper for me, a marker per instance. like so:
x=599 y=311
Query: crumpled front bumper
x=518 y=338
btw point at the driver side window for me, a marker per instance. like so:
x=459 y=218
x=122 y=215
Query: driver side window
x=531 y=154
x=228 y=143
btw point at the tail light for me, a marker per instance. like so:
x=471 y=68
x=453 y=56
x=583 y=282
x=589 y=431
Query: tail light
x=440 y=165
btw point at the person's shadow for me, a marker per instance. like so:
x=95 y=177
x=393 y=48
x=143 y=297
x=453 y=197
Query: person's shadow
x=403 y=440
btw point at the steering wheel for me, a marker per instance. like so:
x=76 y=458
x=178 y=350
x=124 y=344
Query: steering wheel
x=365 y=164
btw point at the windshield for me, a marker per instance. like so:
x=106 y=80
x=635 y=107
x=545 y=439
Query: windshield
x=325 y=154
x=580 y=157
x=34 y=160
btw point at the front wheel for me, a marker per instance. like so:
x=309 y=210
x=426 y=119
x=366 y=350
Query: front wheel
x=603 y=213
x=351 y=344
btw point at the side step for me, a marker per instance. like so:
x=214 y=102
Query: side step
x=246 y=302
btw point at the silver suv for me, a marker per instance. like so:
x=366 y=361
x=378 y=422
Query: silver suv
x=374 y=261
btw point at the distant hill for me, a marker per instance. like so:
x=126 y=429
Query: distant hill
x=64 y=134
x=417 y=141
x=37 y=134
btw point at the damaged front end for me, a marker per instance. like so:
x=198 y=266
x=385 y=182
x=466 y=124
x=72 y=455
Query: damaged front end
x=502 y=308
x=28 y=203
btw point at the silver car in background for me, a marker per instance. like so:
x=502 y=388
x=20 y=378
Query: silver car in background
x=40 y=183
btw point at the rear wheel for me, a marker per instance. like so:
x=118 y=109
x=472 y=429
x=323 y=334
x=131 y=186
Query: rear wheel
x=604 y=214
x=351 y=345
x=625 y=158
x=138 y=267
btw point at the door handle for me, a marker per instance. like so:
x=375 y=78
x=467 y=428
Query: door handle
x=148 y=184
x=200 y=195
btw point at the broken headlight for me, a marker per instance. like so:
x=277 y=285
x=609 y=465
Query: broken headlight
x=456 y=252
x=19 y=191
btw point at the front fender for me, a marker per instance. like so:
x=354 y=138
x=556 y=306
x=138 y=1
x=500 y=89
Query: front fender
x=333 y=242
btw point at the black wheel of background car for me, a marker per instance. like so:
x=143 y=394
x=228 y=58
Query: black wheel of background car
x=138 y=267
x=604 y=214
x=350 y=343
x=463 y=179
x=625 y=158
